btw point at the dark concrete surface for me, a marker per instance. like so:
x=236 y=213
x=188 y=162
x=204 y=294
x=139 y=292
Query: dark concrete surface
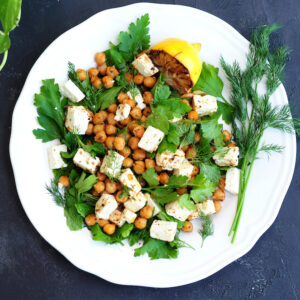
x=31 y=269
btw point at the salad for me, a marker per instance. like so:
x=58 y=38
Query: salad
x=140 y=150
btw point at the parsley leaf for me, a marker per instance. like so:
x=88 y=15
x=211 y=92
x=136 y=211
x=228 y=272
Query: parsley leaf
x=150 y=176
x=177 y=181
x=226 y=110
x=185 y=201
x=84 y=183
x=211 y=172
x=212 y=130
x=163 y=196
x=99 y=235
x=173 y=136
x=166 y=146
x=137 y=235
x=202 y=188
x=159 y=120
x=84 y=209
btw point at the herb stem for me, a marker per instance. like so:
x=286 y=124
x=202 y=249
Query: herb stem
x=4 y=60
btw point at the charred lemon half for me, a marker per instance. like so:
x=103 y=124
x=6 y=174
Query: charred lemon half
x=179 y=61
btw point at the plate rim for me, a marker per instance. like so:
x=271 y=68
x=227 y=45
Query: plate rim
x=127 y=281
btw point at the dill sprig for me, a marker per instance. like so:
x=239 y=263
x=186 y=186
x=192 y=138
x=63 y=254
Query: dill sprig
x=253 y=112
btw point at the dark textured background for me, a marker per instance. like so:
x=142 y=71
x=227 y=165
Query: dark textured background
x=32 y=269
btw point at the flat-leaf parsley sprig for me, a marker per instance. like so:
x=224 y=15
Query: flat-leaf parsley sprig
x=253 y=112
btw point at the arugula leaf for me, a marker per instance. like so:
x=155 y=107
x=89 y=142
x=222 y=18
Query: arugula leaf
x=163 y=196
x=207 y=227
x=84 y=183
x=150 y=176
x=50 y=112
x=166 y=146
x=84 y=209
x=108 y=97
x=185 y=201
x=202 y=188
x=136 y=39
x=164 y=216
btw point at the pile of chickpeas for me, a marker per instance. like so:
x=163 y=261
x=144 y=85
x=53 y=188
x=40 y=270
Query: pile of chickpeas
x=104 y=129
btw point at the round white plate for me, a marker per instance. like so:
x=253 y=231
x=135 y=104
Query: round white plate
x=267 y=188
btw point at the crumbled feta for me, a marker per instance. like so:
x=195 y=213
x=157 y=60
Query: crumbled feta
x=232 y=182
x=122 y=112
x=77 y=119
x=86 y=161
x=136 y=201
x=128 y=216
x=175 y=120
x=54 y=158
x=152 y=203
x=105 y=206
x=145 y=65
x=207 y=207
x=231 y=158
x=174 y=209
x=169 y=161
x=151 y=139
x=137 y=96
x=163 y=230
x=185 y=169
x=128 y=179
x=71 y=91
x=112 y=164
x=204 y=105
x=116 y=217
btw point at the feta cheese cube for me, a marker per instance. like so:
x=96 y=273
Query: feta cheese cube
x=54 y=158
x=195 y=213
x=204 y=105
x=151 y=139
x=207 y=207
x=128 y=216
x=152 y=203
x=71 y=91
x=231 y=158
x=137 y=96
x=169 y=161
x=122 y=112
x=232 y=181
x=136 y=201
x=128 y=179
x=174 y=209
x=77 y=119
x=163 y=230
x=185 y=169
x=112 y=164
x=145 y=65
x=117 y=218
x=86 y=161
x=105 y=206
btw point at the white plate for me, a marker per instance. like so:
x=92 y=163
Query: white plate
x=267 y=188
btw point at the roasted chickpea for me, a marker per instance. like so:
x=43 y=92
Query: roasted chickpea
x=119 y=186
x=90 y=220
x=108 y=82
x=164 y=178
x=100 y=58
x=197 y=137
x=148 y=97
x=187 y=102
x=196 y=171
x=130 y=102
x=227 y=135
x=102 y=222
x=139 y=154
x=147 y=111
x=133 y=142
x=125 y=151
x=100 y=137
x=181 y=191
x=140 y=223
x=109 y=229
x=121 y=197
x=193 y=115
x=111 y=119
x=149 y=82
x=95 y=193
x=158 y=168
x=138 y=79
x=109 y=142
x=122 y=97
x=93 y=72
x=112 y=72
x=112 y=108
x=136 y=113
x=217 y=205
x=125 y=122
x=100 y=117
x=128 y=77
x=81 y=74
x=119 y=143
x=143 y=182
x=63 y=181
x=102 y=69
x=150 y=163
x=89 y=130
x=230 y=145
x=138 y=131
x=110 y=186
x=185 y=148
x=146 y=212
x=187 y=227
x=221 y=184
x=127 y=162
x=99 y=186
x=191 y=152
x=139 y=167
x=218 y=195
x=143 y=119
x=101 y=176
x=97 y=83
x=110 y=129
x=97 y=128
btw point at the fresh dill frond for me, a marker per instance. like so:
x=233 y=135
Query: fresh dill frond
x=269 y=148
x=207 y=227
x=54 y=191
